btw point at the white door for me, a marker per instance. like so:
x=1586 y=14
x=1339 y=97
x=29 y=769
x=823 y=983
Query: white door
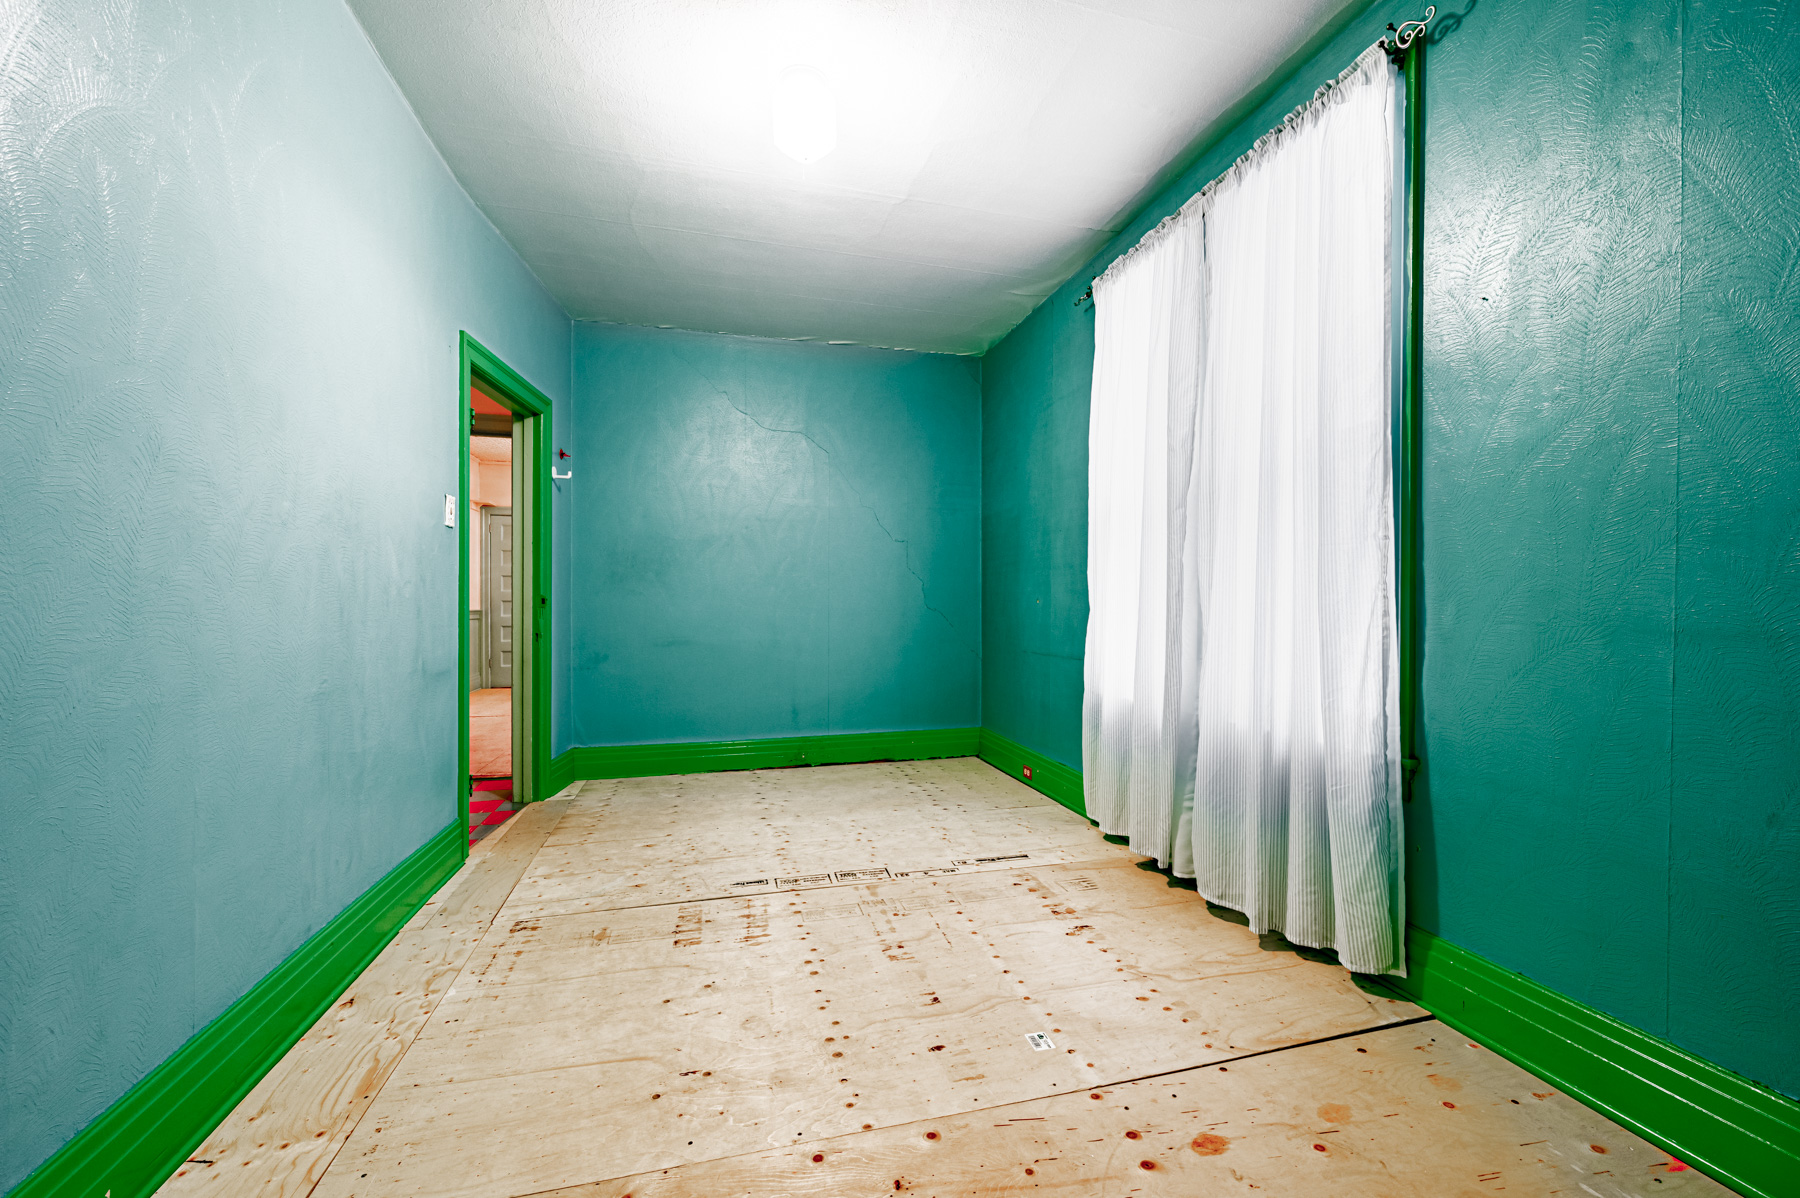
x=497 y=592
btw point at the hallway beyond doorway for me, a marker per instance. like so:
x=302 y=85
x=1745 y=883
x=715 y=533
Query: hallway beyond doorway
x=490 y=732
x=490 y=760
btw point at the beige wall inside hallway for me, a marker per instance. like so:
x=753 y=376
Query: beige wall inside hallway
x=490 y=485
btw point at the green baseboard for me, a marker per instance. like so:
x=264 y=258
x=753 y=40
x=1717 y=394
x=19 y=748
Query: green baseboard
x=1740 y=1133
x=1051 y=778
x=560 y=773
x=137 y=1142
x=700 y=757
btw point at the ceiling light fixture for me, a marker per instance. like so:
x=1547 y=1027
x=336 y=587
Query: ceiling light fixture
x=805 y=114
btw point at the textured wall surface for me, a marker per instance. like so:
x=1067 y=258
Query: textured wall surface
x=1734 y=833
x=771 y=538
x=1612 y=507
x=232 y=271
x=1034 y=429
x=1553 y=205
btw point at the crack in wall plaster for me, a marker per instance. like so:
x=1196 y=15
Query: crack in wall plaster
x=905 y=546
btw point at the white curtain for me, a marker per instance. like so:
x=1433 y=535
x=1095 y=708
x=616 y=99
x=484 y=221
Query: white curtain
x=1240 y=721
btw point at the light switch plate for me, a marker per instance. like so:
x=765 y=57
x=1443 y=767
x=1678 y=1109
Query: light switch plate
x=449 y=511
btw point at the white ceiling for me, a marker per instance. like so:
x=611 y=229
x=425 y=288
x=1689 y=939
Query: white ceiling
x=986 y=148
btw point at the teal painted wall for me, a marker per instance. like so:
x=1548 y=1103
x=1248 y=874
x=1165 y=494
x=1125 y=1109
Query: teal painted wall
x=1734 y=819
x=1611 y=501
x=234 y=272
x=1034 y=425
x=770 y=538
x=1541 y=827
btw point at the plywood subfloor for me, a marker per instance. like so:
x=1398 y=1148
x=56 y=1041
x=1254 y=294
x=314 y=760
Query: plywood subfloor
x=758 y=831
x=822 y=981
x=1406 y=1112
x=290 y=1127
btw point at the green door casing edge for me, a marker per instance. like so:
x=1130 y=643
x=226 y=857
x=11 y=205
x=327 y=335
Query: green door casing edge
x=511 y=390
x=133 y=1146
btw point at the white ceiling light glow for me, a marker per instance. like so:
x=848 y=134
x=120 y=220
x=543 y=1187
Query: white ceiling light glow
x=805 y=115
x=985 y=149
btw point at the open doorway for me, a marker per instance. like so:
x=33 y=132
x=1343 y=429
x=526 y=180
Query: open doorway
x=492 y=612
x=505 y=587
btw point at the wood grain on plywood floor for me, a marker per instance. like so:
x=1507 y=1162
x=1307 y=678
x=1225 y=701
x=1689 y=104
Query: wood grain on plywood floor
x=835 y=980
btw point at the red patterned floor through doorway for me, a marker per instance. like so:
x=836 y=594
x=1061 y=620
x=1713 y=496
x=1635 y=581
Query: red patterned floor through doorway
x=489 y=806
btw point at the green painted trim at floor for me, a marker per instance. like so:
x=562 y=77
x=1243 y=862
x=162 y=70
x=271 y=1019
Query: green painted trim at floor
x=137 y=1142
x=700 y=757
x=561 y=773
x=1740 y=1133
x=1051 y=778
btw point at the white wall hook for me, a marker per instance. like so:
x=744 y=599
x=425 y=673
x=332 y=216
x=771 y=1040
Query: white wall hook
x=560 y=477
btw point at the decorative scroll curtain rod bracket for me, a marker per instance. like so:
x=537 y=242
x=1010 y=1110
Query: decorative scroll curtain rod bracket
x=1403 y=35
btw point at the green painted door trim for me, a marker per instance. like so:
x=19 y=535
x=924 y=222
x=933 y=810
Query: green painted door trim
x=700 y=757
x=137 y=1142
x=511 y=390
x=1051 y=778
x=1742 y=1134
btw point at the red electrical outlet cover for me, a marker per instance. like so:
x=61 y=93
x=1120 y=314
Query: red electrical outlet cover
x=1027 y=771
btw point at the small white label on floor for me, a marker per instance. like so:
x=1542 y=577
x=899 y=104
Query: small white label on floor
x=1039 y=1041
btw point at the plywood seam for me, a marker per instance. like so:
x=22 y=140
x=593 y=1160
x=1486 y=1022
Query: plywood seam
x=727 y=898
x=534 y=1024
x=1249 y=1056
x=1106 y=1084
x=475 y=942
x=801 y=1144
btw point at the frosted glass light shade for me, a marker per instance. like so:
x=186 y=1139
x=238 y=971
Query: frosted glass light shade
x=805 y=115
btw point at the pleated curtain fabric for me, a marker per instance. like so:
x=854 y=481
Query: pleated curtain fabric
x=1241 y=715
